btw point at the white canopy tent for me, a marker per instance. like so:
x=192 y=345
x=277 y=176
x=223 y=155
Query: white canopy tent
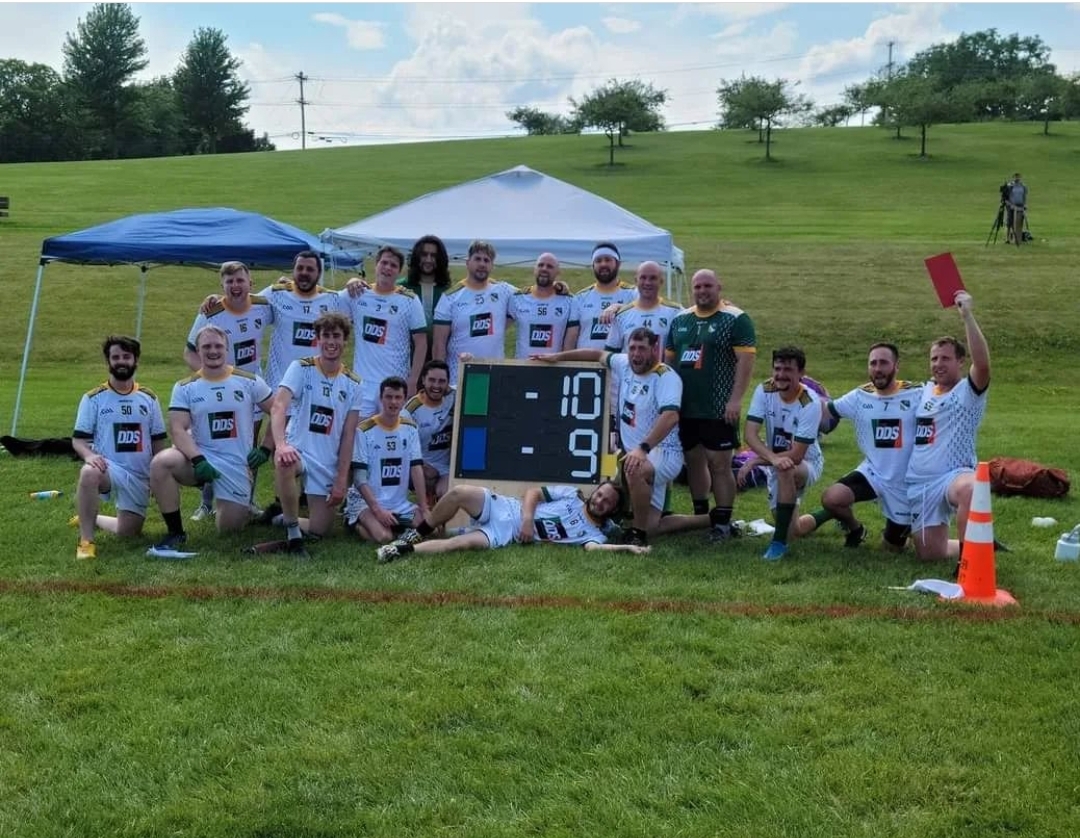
x=523 y=213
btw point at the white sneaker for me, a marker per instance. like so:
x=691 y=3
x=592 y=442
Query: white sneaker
x=202 y=512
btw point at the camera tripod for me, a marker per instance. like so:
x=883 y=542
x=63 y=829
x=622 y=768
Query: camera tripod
x=999 y=222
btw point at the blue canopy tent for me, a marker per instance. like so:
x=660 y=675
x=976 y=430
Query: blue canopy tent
x=197 y=237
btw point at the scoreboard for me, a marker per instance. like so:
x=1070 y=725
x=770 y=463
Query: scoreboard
x=531 y=423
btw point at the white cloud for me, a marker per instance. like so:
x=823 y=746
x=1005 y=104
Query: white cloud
x=727 y=11
x=620 y=25
x=360 y=34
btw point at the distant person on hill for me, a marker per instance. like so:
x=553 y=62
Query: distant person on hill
x=118 y=429
x=1017 y=205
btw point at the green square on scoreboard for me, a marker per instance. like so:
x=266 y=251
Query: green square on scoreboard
x=477 y=390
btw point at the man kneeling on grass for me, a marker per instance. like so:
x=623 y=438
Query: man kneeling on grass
x=553 y=514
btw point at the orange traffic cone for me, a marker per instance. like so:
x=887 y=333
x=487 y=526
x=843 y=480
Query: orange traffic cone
x=977 y=576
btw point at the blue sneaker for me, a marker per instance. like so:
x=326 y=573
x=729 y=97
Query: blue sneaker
x=777 y=550
x=171 y=547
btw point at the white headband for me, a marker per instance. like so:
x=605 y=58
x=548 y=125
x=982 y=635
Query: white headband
x=605 y=251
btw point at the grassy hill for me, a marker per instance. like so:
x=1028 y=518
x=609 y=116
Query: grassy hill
x=695 y=692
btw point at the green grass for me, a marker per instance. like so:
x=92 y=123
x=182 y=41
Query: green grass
x=554 y=692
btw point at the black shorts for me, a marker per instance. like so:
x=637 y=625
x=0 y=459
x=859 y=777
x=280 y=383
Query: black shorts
x=859 y=485
x=714 y=434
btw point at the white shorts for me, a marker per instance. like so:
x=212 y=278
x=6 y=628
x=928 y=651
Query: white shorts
x=355 y=505
x=892 y=498
x=318 y=479
x=929 y=500
x=128 y=491
x=234 y=485
x=813 y=474
x=500 y=519
x=666 y=466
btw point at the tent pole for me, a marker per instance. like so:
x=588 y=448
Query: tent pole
x=667 y=281
x=26 y=349
x=142 y=302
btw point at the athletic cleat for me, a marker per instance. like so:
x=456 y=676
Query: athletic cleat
x=170 y=548
x=255 y=512
x=388 y=553
x=855 y=537
x=268 y=514
x=295 y=548
x=73 y=521
x=410 y=536
x=86 y=550
x=202 y=512
x=719 y=533
x=777 y=550
x=636 y=538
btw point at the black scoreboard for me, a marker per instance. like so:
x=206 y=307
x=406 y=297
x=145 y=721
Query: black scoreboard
x=531 y=422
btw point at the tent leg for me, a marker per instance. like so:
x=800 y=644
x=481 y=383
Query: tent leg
x=667 y=282
x=142 y=302
x=26 y=349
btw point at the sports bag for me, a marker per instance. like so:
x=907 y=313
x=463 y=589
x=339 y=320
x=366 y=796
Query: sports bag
x=1012 y=476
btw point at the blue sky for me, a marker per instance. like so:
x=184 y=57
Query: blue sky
x=384 y=72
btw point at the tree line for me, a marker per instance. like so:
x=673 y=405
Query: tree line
x=95 y=109
x=979 y=77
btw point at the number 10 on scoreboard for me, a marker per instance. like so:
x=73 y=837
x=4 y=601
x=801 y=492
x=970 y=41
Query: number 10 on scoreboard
x=531 y=423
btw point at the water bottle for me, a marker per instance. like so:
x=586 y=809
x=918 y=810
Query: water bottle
x=1068 y=546
x=47 y=495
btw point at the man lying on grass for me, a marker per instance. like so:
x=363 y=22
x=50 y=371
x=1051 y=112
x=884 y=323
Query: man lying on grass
x=552 y=514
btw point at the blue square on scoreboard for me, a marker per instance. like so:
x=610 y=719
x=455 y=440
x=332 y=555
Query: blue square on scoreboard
x=474 y=449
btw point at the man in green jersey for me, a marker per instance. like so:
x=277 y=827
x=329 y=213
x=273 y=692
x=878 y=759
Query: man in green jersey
x=712 y=346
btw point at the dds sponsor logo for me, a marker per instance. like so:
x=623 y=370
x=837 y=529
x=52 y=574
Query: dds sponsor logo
x=222 y=425
x=374 y=330
x=390 y=470
x=321 y=420
x=127 y=437
x=887 y=433
x=303 y=334
x=481 y=325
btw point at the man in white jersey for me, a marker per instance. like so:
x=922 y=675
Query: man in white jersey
x=297 y=301
x=391 y=331
x=649 y=311
x=244 y=317
x=118 y=429
x=386 y=459
x=941 y=472
x=649 y=397
x=541 y=314
x=606 y=292
x=471 y=317
x=212 y=423
x=313 y=422
x=552 y=514
x=791 y=417
x=883 y=412
x=432 y=409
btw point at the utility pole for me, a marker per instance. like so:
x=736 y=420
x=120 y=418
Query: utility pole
x=300 y=77
x=889 y=66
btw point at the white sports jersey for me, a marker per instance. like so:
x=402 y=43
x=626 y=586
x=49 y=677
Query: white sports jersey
x=477 y=321
x=541 y=322
x=642 y=398
x=319 y=407
x=588 y=305
x=387 y=454
x=435 y=424
x=121 y=427
x=884 y=427
x=788 y=422
x=384 y=325
x=632 y=316
x=222 y=413
x=295 y=314
x=946 y=427
x=561 y=517
x=245 y=331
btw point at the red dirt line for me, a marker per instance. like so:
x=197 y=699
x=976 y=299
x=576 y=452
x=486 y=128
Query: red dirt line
x=962 y=612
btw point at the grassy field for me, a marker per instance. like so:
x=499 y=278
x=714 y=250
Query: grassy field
x=694 y=692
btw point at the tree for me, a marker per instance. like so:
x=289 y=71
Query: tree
x=618 y=108
x=33 y=120
x=749 y=102
x=99 y=63
x=984 y=58
x=536 y=122
x=1042 y=96
x=212 y=97
x=833 y=115
x=917 y=101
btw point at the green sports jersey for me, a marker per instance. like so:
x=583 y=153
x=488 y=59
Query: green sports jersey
x=704 y=349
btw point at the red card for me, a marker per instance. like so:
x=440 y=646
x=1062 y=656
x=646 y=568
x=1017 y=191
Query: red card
x=946 y=278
